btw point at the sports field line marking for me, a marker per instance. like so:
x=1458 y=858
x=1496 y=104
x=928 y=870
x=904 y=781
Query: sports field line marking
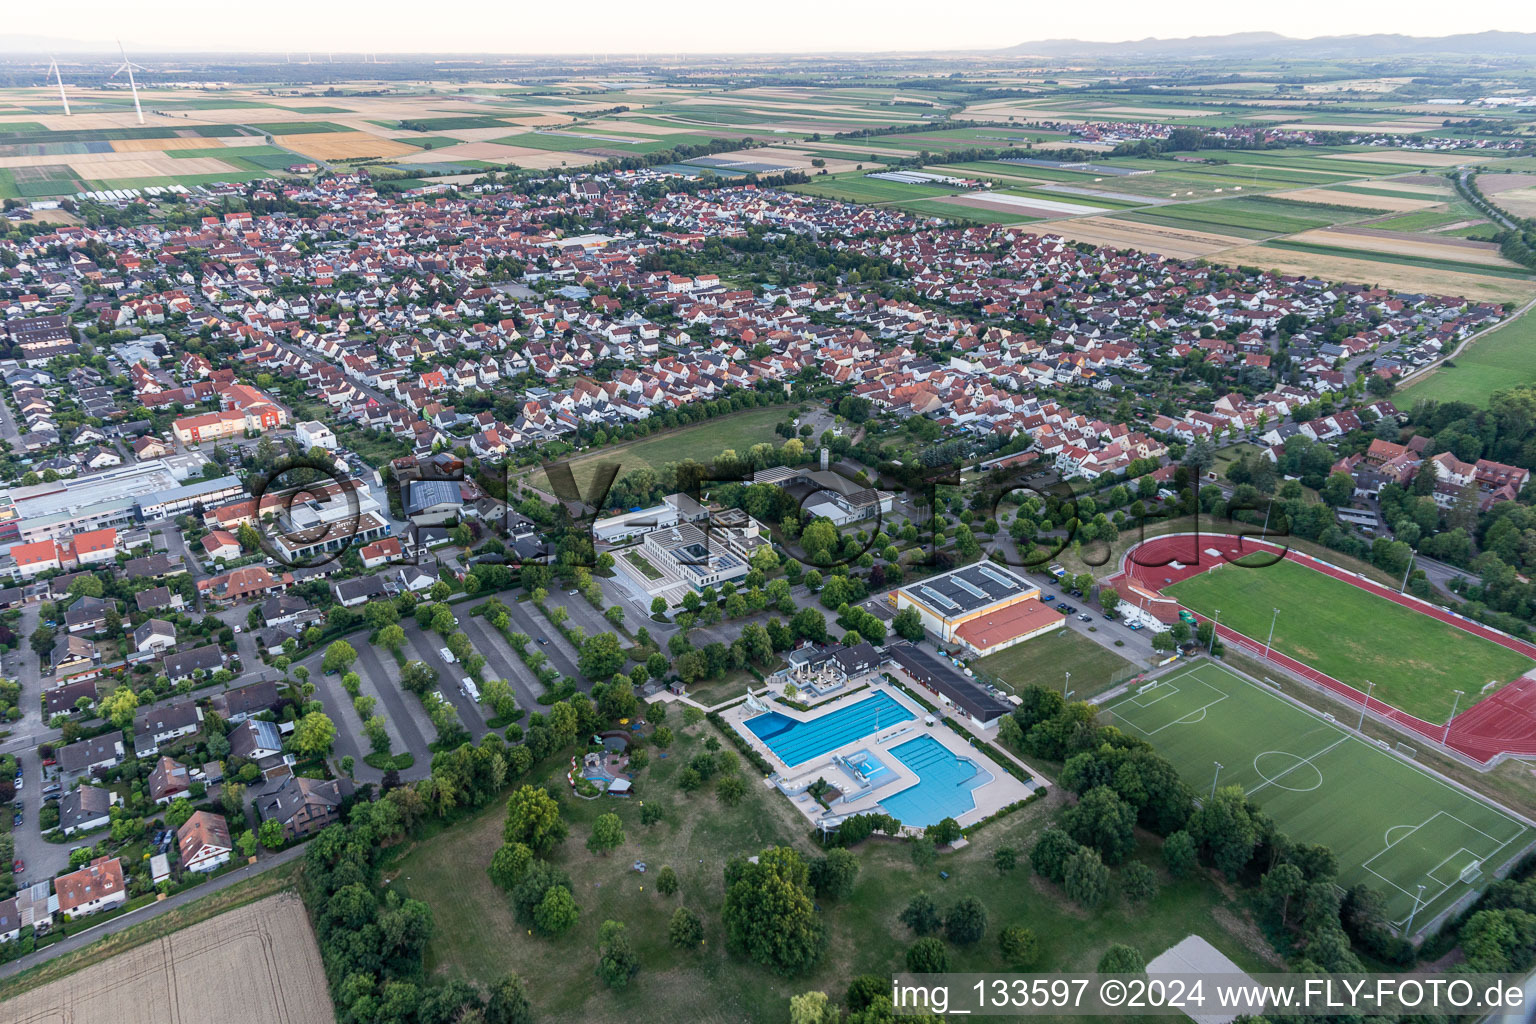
x=1444 y=887
x=1187 y=719
x=1157 y=693
x=1305 y=760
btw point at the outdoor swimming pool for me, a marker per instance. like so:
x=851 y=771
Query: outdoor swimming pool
x=796 y=742
x=865 y=763
x=944 y=785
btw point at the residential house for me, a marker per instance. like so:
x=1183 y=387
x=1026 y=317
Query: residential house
x=85 y=809
x=204 y=842
x=160 y=725
x=96 y=887
x=303 y=806
x=97 y=753
x=168 y=780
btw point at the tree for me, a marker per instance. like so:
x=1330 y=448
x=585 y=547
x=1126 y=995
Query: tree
x=1051 y=852
x=834 y=875
x=812 y=1008
x=908 y=624
x=616 y=958
x=927 y=956
x=1179 y=854
x=177 y=814
x=42 y=640
x=1020 y=947
x=1109 y=599
x=271 y=833
x=507 y=1002
x=509 y=864
x=607 y=834
x=966 y=921
x=557 y=911
x=666 y=880
x=533 y=819
x=1138 y=882
x=339 y=657
x=314 y=734
x=768 y=912
x=685 y=930
x=118 y=706
x=921 y=914
x=1103 y=821
x=1005 y=859
x=731 y=789
x=392 y=638
x=600 y=657
x=1337 y=490
x=1122 y=959
x=1226 y=828
x=1086 y=879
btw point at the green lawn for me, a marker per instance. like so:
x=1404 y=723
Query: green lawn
x=1415 y=661
x=1392 y=825
x=1500 y=359
x=1421 y=220
x=476 y=937
x=639 y=561
x=700 y=442
x=1044 y=661
x=857 y=188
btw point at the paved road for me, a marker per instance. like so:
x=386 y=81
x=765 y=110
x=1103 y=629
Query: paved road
x=146 y=913
x=527 y=619
x=407 y=719
x=43 y=859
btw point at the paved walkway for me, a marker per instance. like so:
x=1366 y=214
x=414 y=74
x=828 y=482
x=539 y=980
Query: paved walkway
x=148 y=912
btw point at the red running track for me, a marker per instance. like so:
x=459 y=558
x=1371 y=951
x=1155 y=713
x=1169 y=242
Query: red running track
x=1504 y=723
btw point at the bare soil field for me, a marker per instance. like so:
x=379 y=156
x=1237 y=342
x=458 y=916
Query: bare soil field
x=339 y=145
x=1157 y=111
x=1401 y=244
x=260 y=962
x=145 y=165
x=1492 y=184
x=1357 y=200
x=487 y=151
x=1398 y=276
x=1408 y=128
x=1175 y=242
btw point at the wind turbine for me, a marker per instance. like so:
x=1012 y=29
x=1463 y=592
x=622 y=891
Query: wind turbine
x=129 y=66
x=53 y=65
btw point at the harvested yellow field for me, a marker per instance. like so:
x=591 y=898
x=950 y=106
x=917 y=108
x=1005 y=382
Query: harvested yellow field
x=1396 y=243
x=340 y=145
x=144 y=165
x=1406 y=156
x=1407 y=128
x=161 y=145
x=1389 y=275
x=1521 y=202
x=1156 y=111
x=487 y=151
x=1168 y=241
x=539 y=159
x=1359 y=200
x=257 y=963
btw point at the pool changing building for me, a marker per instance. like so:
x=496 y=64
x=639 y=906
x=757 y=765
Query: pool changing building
x=984 y=607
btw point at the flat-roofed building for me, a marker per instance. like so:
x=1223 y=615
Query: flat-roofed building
x=973 y=592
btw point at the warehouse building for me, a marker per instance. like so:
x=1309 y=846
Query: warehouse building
x=984 y=607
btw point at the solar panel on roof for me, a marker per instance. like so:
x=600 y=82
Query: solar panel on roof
x=938 y=598
x=997 y=577
x=970 y=588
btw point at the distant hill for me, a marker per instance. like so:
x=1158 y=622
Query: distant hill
x=1257 y=44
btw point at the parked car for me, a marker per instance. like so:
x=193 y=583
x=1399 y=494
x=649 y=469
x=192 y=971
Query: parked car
x=1133 y=625
x=1085 y=617
x=543 y=641
x=18 y=865
x=1048 y=597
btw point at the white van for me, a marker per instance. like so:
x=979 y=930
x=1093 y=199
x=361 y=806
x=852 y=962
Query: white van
x=447 y=655
x=470 y=689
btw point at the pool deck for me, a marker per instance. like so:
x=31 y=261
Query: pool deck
x=860 y=798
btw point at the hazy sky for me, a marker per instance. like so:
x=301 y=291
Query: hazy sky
x=667 y=26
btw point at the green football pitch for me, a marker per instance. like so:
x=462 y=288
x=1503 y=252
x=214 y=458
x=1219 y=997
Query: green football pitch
x=1416 y=662
x=1392 y=825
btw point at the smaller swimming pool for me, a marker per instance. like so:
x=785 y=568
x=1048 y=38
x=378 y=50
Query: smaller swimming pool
x=866 y=764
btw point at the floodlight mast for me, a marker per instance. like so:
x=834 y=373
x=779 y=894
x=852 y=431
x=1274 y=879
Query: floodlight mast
x=130 y=67
x=58 y=76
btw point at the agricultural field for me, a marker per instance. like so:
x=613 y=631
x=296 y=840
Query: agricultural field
x=476 y=936
x=261 y=957
x=1502 y=358
x=1392 y=825
x=856 y=188
x=1415 y=662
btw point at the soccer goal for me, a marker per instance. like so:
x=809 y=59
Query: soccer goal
x=1472 y=872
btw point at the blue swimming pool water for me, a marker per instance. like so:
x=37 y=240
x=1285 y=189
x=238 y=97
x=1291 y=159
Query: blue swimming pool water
x=796 y=742
x=944 y=786
x=867 y=764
